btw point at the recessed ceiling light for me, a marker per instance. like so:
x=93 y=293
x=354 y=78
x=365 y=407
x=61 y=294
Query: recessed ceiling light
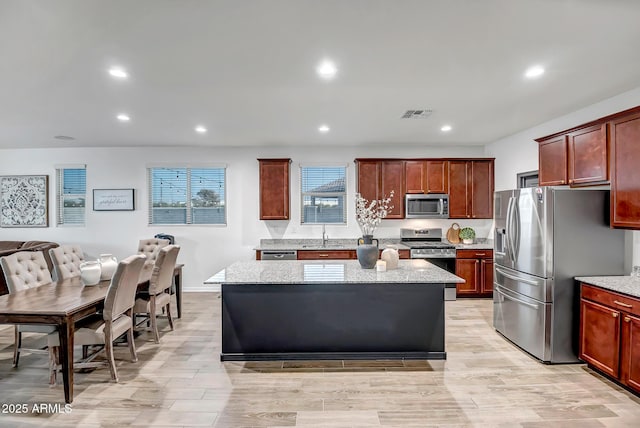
x=64 y=138
x=201 y=129
x=324 y=129
x=446 y=128
x=533 y=72
x=327 y=69
x=118 y=72
x=123 y=118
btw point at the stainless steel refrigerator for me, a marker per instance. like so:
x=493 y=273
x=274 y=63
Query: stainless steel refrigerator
x=543 y=238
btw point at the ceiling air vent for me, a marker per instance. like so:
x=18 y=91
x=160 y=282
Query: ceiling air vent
x=417 y=114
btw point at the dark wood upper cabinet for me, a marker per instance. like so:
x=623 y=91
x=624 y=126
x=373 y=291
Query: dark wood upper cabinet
x=588 y=156
x=274 y=189
x=579 y=157
x=437 y=176
x=377 y=178
x=625 y=171
x=552 y=161
x=471 y=188
x=368 y=179
x=416 y=176
x=481 y=189
x=392 y=179
x=426 y=176
x=459 y=206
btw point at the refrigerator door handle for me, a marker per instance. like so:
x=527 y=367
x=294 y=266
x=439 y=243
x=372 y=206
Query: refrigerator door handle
x=516 y=300
x=515 y=278
x=509 y=230
x=515 y=212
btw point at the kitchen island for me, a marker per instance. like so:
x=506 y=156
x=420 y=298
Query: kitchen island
x=309 y=310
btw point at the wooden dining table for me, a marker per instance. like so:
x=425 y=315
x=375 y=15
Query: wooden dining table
x=62 y=305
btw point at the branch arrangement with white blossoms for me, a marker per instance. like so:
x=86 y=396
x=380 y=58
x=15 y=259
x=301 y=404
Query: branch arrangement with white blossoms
x=369 y=214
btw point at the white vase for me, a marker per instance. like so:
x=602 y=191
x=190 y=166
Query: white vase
x=108 y=265
x=90 y=272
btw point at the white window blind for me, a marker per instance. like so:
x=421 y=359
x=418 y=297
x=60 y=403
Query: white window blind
x=71 y=192
x=187 y=195
x=323 y=194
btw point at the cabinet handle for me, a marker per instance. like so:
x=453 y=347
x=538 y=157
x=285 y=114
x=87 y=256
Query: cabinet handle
x=627 y=319
x=323 y=255
x=570 y=181
x=622 y=304
x=480 y=254
x=614 y=314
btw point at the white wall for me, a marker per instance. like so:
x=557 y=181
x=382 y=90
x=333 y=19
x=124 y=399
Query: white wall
x=519 y=152
x=205 y=249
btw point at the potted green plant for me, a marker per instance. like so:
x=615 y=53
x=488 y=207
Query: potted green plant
x=467 y=235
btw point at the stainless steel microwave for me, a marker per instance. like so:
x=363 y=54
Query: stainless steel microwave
x=433 y=205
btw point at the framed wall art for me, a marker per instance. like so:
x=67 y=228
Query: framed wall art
x=113 y=200
x=24 y=201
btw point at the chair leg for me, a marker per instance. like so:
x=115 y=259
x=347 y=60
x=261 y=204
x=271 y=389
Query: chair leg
x=17 y=345
x=154 y=319
x=85 y=351
x=108 y=347
x=169 y=318
x=132 y=345
x=53 y=364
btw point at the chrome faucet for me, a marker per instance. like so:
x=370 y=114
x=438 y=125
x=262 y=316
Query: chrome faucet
x=325 y=237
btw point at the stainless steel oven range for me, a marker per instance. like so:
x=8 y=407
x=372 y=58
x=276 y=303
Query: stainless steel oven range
x=427 y=244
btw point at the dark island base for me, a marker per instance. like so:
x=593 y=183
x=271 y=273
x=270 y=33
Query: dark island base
x=332 y=321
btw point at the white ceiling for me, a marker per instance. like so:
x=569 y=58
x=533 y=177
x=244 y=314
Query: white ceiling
x=246 y=69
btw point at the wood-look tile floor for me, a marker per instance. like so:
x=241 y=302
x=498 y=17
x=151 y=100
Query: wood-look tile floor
x=485 y=382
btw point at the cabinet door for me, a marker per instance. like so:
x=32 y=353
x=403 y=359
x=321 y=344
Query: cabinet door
x=274 y=189
x=630 y=358
x=588 y=156
x=600 y=337
x=625 y=172
x=552 y=161
x=482 y=189
x=469 y=270
x=436 y=177
x=368 y=183
x=487 y=276
x=458 y=190
x=392 y=178
x=415 y=176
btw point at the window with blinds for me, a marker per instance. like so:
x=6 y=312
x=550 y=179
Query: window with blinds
x=71 y=195
x=323 y=194
x=187 y=196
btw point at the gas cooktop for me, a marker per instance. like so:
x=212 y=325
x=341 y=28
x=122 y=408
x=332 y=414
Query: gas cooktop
x=427 y=244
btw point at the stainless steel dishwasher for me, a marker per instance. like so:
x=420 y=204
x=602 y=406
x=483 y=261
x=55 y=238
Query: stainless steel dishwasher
x=278 y=255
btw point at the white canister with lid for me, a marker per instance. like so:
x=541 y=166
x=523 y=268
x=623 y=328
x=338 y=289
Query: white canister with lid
x=391 y=256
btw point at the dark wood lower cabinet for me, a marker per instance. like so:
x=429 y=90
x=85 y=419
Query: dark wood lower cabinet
x=476 y=268
x=610 y=334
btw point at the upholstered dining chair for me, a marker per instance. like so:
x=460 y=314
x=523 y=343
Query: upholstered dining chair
x=23 y=270
x=151 y=247
x=66 y=261
x=117 y=319
x=159 y=285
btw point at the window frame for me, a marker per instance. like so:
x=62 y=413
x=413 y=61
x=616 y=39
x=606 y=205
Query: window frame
x=188 y=196
x=323 y=194
x=61 y=196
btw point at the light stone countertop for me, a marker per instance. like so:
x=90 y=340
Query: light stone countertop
x=351 y=244
x=622 y=284
x=316 y=244
x=338 y=271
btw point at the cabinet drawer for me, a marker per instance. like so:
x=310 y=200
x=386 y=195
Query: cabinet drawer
x=319 y=254
x=612 y=299
x=474 y=254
